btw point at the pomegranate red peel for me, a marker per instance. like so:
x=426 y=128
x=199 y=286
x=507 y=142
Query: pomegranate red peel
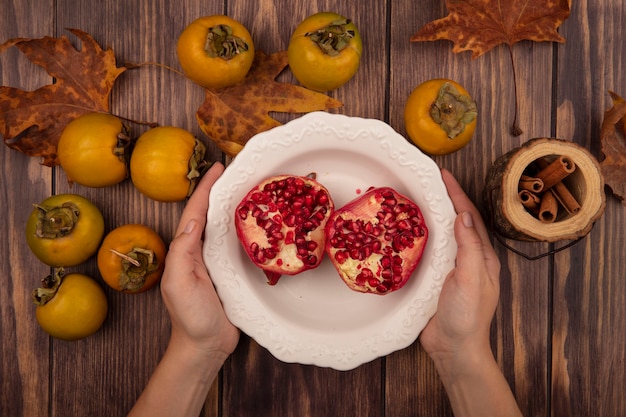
x=376 y=241
x=280 y=224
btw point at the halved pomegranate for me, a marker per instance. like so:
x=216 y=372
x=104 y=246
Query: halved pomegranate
x=280 y=224
x=376 y=241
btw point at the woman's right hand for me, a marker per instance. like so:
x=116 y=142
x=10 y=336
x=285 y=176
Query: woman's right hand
x=457 y=336
x=470 y=292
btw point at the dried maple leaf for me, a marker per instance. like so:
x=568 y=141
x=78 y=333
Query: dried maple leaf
x=232 y=115
x=481 y=25
x=613 y=148
x=32 y=121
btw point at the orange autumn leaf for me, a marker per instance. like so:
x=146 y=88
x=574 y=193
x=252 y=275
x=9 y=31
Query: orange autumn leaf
x=480 y=25
x=613 y=146
x=232 y=115
x=32 y=121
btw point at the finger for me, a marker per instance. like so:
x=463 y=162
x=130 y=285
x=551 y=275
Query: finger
x=196 y=208
x=474 y=256
x=462 y=203
x=458 y=196
x=470 y=244
x=180 y=255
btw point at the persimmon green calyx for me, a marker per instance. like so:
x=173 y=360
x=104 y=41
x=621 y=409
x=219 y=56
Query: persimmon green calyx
x=136 y=266
x=220 y=42
x=49 y=287
x=57 y=221
x=333 y=38
x=453 y=110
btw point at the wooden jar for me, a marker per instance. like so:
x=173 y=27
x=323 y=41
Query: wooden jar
x=584 y=182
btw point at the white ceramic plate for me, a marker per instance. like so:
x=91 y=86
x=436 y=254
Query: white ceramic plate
x=313 y=317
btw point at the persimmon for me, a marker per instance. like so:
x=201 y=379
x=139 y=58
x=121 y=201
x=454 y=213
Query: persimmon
x=440 y=116
x=131 y=258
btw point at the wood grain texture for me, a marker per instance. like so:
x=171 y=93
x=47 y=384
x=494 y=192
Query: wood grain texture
x=25 y=366
x=589 y=292
x=557 y=334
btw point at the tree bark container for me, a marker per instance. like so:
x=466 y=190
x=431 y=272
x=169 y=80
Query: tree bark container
x=511 y=219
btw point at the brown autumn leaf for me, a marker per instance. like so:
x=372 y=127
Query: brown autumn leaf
x=32 y=121
x=232 y=115
x=481 y=25
x=613 y=146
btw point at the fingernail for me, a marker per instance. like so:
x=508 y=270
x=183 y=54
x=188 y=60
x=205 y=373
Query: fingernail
x=190 y=226
x=467 y=219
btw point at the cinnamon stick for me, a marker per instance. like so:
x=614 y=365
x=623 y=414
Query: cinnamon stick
x=548 y=208
x=567 y=200
x=532 y=184
x=529 y=200
x=554 y=172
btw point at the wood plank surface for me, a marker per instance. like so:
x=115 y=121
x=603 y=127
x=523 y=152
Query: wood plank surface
x=25 y=365
x=589 y=297
x=558 y=333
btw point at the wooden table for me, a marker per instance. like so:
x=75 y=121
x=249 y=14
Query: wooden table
x=559 y=331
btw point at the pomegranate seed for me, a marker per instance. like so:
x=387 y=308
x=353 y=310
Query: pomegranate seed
x=256 y=211
x=386 y=274
x=373 y=282
x=341 y=257
x=257 y=197
x=404 y=225
x=308 y=225
x=367 y=273
x=318 y=217
x=290 y=220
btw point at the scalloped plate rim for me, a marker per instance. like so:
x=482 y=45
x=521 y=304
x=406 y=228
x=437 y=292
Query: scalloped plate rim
x=252 y=308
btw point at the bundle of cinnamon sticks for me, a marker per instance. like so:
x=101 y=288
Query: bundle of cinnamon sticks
x=542 y=191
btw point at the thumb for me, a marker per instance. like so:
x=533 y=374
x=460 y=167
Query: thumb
x=470 y=245
x=186 y=240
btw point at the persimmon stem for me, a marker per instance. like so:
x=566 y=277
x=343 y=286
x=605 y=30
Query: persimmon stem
x=133 y=65
x=126 y=257
x=515 y=129
x=138 y=122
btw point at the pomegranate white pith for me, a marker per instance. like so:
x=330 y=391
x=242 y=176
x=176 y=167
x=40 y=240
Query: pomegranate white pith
x=280 y=224
x=376 y=241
